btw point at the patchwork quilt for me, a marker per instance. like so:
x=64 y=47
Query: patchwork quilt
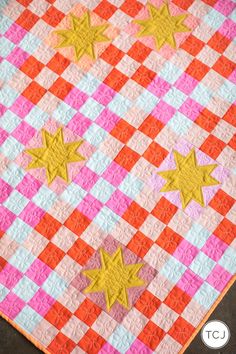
x=118 y=171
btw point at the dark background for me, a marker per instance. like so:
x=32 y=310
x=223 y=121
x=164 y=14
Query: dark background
x=12 y=342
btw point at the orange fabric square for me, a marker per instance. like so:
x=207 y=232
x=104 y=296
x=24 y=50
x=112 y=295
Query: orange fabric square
x=51 y=255
x=48 y=226
x=53 y=16
x=61 y=344
x=131 y=7
x=34 y=92
x=147 y=304
x=169 y=240
x=123 y=131
x=61 y=88
x=143 y=76
x=27 y=19
x=135 y=215
x=58 y=63
x=226 y=231
x=212 y=146
x=127 y=158
x=218 y=42
x=164 y=210
x=232 y=142
x=115 y=79
x=91 y=342
x=139 y=52
x=207 y=120
x=151 y=335
x=80 y=252
x=88 y=312
x=181 y=330
x=32 y=67
x=3 y=262
x=58 y=315
x=192 y=45
x=24 y=2
x=77 y=222
x=105 y=9
x=151 y=126
x=177 y=299
x=197 y=69
x=155 y=154
x=140 y=244
x=184 y=4
x=112 y=55
x=224 y=66
x=222 y=202
x=230 y=115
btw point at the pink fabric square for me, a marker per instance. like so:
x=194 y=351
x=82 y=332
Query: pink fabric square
x=191 y=109
x=228 y=29
x=11 y=305
x=90 y=206
x=186 y=83
x=21 y=106
x=41 y=302
x=225 y=7
x=219 y=278
x=10 y=276
x=38 y=272
x=29 y=186
x=86 y=178
x=104 y=94
x=107 y=120
x=159 y=87
x=17 y=57
x=2 y=109
x=114 y=174
x=232 y=77
x=185 y=252
x=79 y=124
x=5 y=190
x=139 y=347
x=76 y=98
x=23 y=133
x=190 y=282
x=214 y=248
x=108 y=349
x=6 y=218
x=119 y=202
x=163 y=112
x=3 y=135
x=15 y=33
x=32 y=214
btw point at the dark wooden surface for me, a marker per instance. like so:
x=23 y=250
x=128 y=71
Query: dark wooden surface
x=12 y=342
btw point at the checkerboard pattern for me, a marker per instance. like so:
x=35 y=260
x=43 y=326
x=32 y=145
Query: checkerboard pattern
x=132 y=106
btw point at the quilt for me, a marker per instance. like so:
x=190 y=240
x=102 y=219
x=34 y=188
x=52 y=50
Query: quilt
x=118 y=171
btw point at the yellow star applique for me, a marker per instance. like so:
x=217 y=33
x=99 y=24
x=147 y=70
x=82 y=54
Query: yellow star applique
x=55 y=155
x=82 y=36
x=188 y=178
x=114 y=278
x=162 y=25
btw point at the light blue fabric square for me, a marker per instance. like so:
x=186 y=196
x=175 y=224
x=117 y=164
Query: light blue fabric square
x=22 y=259
x=202 y=265
x=179 y=123
x=5 y=47
x=121 y=339
x=25 y=289
x=119 y=105
x=228 y=91
x=99 y=162
x=11 y=148
x=91 y=109
x=7 y=70
x=9 y=121
x=28 y=319
x=95 y=135
x=16 y=202
x=197 y=235
x=88 y=84
x=106 y=219
x=37 y=118
x=13 y=175
x=228 y=260
x=169 y=72
x=30 y=43
x=64 y=113
x=201 y=94
x=7 y=96
x=102 y=190
x=214 y=19
x=3 y=292
x=147 y=101
x=131 y=186
x=45 y=198
x=54 y=285
x=19 y=230
x=206 y=295
x=173 y=270
x=175 y=98
x=73 y=194
x=6 y=22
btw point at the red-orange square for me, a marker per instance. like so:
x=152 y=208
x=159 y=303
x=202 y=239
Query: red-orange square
x=88 y=312
x=58 y=315
x=61 y=344
x=140 y=244
x=34 y=92
x=131 y=7
x=91 y=342
x=192 y=45
x=222 y=202
x=197 y=69
x=169 y=240
x=230 y=115
x=151 y=335
x=81 y=252
x=184 y=4
x=147 y=304
x=135 y=215
x=127 y=158
x=232 y=142
x=181 y=330
x=123 y=131
x=177 y=299
x=32 y=67
x=105 y=9
x=210 y=2
x=212 y=146
x=155 y=154
x=24 y=2
x=51 y=255
x=226 y=231
x=164 y=210
x=139 y=52
x=3 y=262
x=115 y=80
x=27 y=19
x=77 y=222
x=207 y=120
x=224 y=66
x=112 y=55
x=58 y=63
x=143 y=76
x=151 y=126
x=61 y=88
x=53 y=16
x=48 y=226
x=218 y=42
